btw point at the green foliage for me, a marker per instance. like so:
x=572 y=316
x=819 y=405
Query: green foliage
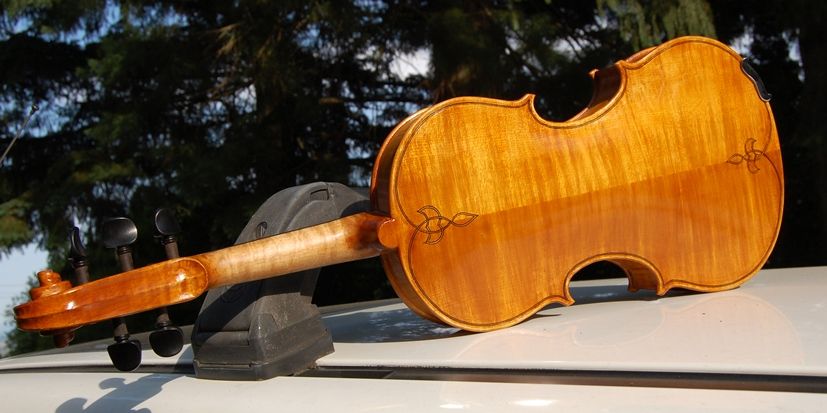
x=14 y=227
x=18 y=341
x=649 y=22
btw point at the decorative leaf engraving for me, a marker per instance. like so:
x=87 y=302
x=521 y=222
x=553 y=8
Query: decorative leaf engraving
x=751 y=156
x=462 y=219
x=435 y=223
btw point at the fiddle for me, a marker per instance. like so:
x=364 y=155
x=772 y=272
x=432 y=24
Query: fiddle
x=482 y=211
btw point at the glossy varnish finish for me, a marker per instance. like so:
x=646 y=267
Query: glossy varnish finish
x=483 y=211
x=183 y=279
x=673 y=172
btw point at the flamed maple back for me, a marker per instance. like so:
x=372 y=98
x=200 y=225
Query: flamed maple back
x=673 y=172
x=483 y=211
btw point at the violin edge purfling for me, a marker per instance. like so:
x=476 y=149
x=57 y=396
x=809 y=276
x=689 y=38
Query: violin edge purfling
x=673 y=172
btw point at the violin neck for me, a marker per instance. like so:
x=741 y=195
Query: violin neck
x=346 y=239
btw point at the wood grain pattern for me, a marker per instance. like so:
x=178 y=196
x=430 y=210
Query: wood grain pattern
x=483 y=210
x=673 y=172
x=183 y=279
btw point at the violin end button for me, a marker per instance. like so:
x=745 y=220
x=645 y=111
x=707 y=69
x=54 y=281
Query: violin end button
x=388 y=234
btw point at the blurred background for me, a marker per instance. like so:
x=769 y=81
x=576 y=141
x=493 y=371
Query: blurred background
x=210 y=107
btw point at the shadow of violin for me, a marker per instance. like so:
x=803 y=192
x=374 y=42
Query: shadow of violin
x=386 y=326
x=125 y=396
x=397 y=325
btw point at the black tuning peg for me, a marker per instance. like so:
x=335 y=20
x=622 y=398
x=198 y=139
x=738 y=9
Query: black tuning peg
x=167 y=340
x=120 y=233
x=77 y=256
x=125 y=353
x=167 y=229
x=166 y=224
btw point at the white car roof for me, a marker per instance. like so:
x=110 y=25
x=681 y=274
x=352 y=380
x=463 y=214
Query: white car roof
x=773 y=324
x=757 y=348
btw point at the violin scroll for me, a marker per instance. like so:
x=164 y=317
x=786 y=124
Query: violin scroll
x=51 y=284
x=142 y=289
x=183 y=279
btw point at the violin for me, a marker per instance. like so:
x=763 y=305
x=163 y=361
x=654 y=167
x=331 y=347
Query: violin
x=482 y=211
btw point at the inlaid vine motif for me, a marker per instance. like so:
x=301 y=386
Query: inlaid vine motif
x=750 y=156
x=435 y=223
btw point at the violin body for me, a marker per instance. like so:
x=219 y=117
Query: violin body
x=483 y=211
x=673 y=172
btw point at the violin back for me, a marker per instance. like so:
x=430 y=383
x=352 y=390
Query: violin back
x=673 y=172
